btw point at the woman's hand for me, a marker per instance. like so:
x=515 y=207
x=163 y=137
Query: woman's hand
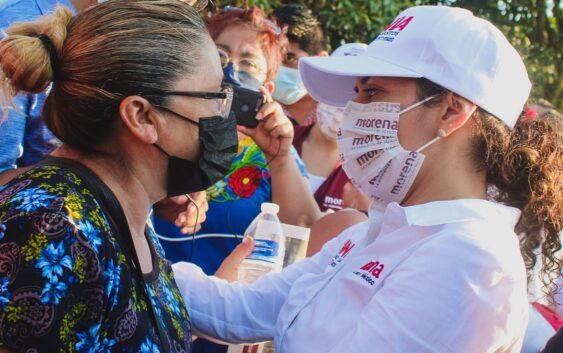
x=184 y=213
x=274 y=134
x=229 y=267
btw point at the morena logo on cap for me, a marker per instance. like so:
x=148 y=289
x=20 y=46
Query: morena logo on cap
x=392 y=31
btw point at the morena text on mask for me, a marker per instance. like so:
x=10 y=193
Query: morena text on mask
x=368 y=156
x=377 y=123
x=364 y=140
x=407 y=169
x=377 y=179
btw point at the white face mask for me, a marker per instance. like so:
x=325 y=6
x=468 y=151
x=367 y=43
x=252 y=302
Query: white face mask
x=371 y=154
x=329 y=119
x=289 y=87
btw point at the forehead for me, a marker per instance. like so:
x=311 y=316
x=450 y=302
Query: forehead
x=296 y=50
x=239 y=38
x=207 y=77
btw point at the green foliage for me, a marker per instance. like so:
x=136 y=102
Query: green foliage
x=535 y=28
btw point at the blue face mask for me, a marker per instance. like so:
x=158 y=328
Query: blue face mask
x=289 y=87
x=240 y=78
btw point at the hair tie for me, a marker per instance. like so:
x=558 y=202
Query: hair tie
x=53 y=57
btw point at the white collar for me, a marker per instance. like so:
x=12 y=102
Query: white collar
x=446 y=212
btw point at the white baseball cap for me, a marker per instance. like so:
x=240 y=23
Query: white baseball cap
x=448 y=46
x=350 y=49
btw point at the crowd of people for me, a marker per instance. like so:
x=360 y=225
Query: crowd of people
x=431 y=184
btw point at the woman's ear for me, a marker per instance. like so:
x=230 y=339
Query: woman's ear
x=270 y=86
x=140 y=119
x=458 y=112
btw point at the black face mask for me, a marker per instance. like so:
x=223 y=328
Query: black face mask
x=219 y=139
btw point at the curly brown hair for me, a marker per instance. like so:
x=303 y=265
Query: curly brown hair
x=525 y=166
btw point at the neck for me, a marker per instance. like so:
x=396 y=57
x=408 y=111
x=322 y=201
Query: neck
x=450 y=177
x=300 y=111
x=132 y=183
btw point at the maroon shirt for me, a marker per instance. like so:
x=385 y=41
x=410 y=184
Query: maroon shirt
x=329 y=194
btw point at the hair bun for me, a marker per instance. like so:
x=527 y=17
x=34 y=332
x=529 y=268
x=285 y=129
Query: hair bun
x=25 y=60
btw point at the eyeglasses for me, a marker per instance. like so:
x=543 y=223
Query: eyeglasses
x=244 y=64
x=223 y=99
x=200 y=5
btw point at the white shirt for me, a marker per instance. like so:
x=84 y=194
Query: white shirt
x=445 y=276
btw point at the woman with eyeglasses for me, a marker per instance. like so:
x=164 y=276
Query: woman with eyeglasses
x=250 y=49
x=136 y=97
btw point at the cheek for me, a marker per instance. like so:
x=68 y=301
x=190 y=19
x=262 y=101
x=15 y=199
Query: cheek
x=411 y=133
x=193 y=144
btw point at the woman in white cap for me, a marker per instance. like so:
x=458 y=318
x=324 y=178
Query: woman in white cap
x=429 y=124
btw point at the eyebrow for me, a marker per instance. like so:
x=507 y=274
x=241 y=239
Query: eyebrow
x=224 y=47
x=247 y=54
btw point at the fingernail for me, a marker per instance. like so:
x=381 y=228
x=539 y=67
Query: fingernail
x=246 y=239
x=259 y=116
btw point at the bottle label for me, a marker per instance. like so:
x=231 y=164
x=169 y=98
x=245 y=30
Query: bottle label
x=266 y=242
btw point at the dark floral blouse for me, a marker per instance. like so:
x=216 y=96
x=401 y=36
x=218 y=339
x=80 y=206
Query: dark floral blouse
x=66 y=285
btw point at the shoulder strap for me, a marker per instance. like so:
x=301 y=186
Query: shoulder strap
x=118 y=222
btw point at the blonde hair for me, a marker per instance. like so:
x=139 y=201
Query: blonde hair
x=110 y=51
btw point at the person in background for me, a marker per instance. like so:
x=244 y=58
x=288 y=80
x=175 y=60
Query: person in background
x=136 y=100
x=316 y=145
x=430 y=122
x=306 y=38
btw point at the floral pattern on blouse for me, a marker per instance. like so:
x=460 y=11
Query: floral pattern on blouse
x=245 y=174
x=65 y=283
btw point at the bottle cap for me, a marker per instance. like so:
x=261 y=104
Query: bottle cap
x=269 y=207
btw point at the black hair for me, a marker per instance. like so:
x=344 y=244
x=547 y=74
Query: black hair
x=303 y=27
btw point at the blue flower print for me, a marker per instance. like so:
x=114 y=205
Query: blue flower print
x=88 y=341
x=91 y=234
x=33 y=198
x=169 y=300
x=148 y=346
x=2 y=230
x=53 y=292
x=112 y=275
x=52 y=261
x=5 y=294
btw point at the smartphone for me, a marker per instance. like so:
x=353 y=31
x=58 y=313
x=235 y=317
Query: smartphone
x=245 y=106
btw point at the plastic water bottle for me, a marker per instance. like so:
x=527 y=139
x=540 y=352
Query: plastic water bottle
x=269 y=245
x=267 y=256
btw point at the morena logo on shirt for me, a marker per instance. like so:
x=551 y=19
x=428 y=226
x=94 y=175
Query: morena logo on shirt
x=342 y=253
x=371 y=271
x=395 y=28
